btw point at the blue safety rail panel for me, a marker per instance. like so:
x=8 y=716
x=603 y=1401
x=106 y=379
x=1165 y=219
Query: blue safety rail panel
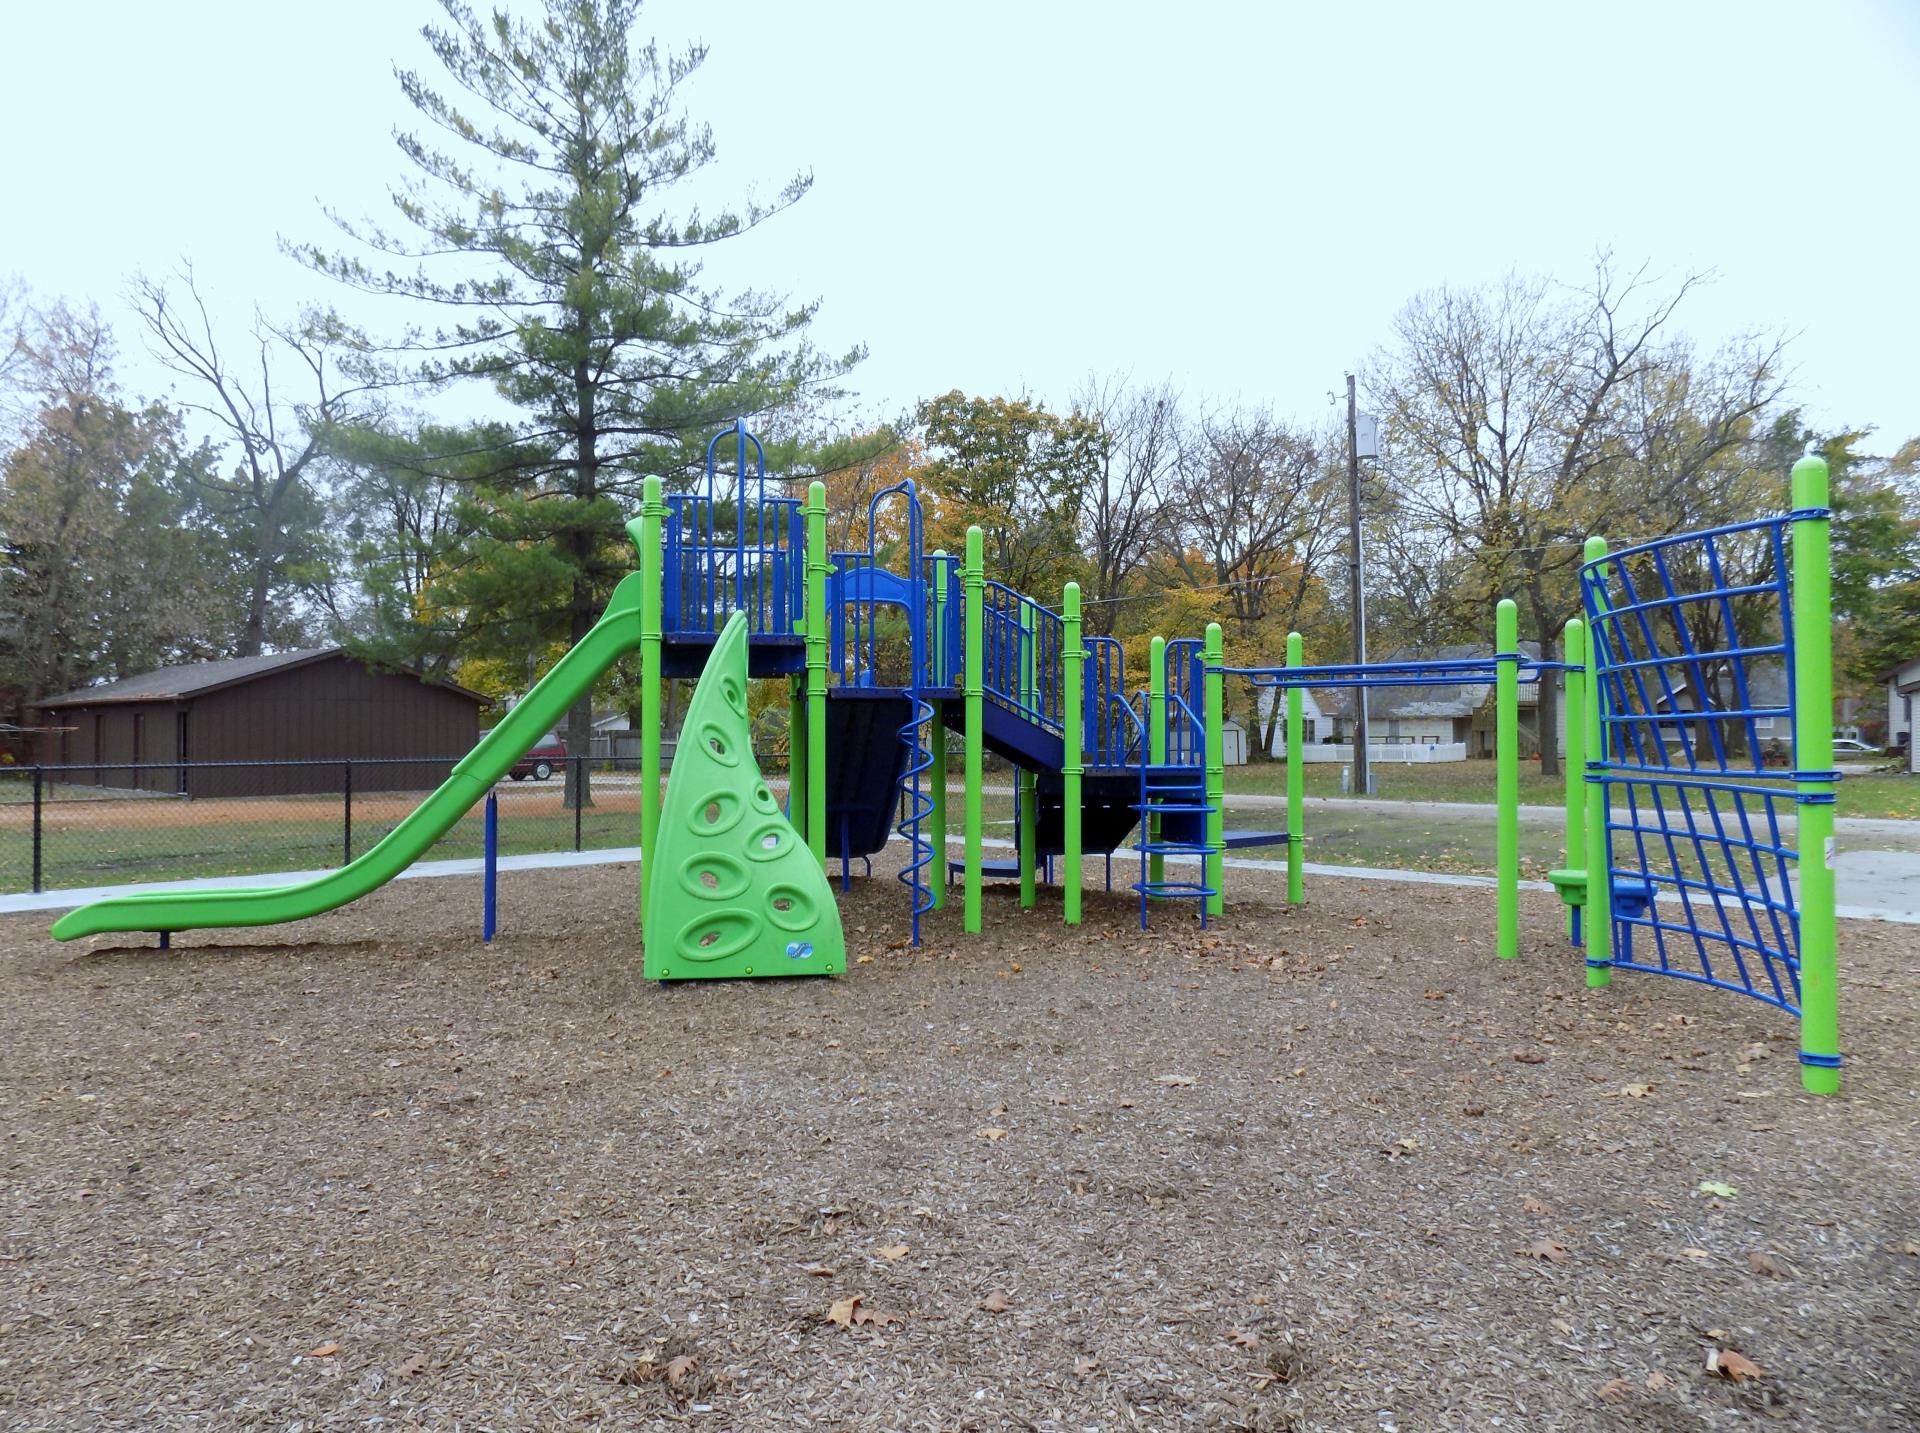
x=946 y=655
x=1692 y=641
x=1021 y=648
x=1115 y=732
x=1186 y=702
x=1448 y=672
x=733 y=546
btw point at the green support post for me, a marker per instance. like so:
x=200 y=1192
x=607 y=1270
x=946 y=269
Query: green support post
x=1574 y=645
x=973 y=581
x=1029 y=784
x=1073 y=722
x=1296 y=782
x=653 y=512
x=1156 y=743
x=1214 y=654
x=937 y=744
x=1814 y=783
x=1598 y=911
x=797 y=750
x=1506 y=759
x=819 y=565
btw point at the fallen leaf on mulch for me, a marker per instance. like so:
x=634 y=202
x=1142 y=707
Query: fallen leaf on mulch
x=1529 y=1057
x=1636 y=1092
x=1695 y=1254
x=1552 y=1250
x=892 y=1251
x=1533 y=1206
x=1244 y=1339
x=1718 y=1191
x=990 y=1133
x=995 y=1302
x=853 y=1312
x=1910 y=1247
x=1766 y=1266
x=1734 y=1367
x=817 y=1271
x=1657 y=1382
x=1084 y=1367
x=326 y=1350
x=1173 y=1080
x=1616 y=1390
x=413 y=1367
x=680 y=1369
x=636 y=1374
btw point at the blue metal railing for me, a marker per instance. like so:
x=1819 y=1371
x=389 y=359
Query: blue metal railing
x=1021 y=651
x=733 y=546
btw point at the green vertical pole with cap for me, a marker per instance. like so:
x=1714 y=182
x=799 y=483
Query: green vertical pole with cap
x=1506 y=760
x=653 y=512
x=937 y=744
x=1156 y=744
x=1296 y=781
x=819 y=565
x=1573 y=645
x=1214 y=657
x=974 y=591
x=1814 y=779
x=1073 y=724
x=1029 y=785
x=1597 y=914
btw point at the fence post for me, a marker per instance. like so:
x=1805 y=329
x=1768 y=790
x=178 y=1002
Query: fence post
x=39 y=799
x=1506 y=757
x=1814 y=777
x=346 y=812
x=1296 y=781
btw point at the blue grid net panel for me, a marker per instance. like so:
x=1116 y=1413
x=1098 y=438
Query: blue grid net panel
x=1693 y=642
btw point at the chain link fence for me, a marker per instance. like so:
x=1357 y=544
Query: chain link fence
x=70 y=826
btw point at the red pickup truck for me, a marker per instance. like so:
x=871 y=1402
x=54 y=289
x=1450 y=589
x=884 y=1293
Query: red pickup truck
x=541 y=758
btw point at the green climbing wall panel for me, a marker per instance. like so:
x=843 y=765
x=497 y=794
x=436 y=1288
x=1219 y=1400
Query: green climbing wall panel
x=733 y=890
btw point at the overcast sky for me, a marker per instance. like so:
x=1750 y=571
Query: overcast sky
x=1009 y=196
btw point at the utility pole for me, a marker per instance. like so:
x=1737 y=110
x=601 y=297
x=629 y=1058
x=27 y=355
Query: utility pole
x=1362 y=772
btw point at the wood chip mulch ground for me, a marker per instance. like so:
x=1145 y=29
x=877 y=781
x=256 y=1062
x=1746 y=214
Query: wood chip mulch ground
x=1327 y=1168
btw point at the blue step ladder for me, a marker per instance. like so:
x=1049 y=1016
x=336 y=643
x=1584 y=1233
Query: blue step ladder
x=1173 y=812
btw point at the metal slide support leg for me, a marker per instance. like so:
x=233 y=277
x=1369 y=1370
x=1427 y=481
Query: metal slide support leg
x=1216 y=778
x=1156 y=744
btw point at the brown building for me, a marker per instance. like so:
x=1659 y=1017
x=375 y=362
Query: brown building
x=318 y=706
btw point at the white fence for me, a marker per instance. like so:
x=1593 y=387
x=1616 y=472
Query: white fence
x=1404 y=753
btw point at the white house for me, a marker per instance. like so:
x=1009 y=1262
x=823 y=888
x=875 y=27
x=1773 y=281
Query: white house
x=1903 y=695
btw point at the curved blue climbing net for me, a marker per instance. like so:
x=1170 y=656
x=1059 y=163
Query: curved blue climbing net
x=1693 y=646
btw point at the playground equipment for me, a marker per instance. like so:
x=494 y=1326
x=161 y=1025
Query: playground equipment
x=889 y=649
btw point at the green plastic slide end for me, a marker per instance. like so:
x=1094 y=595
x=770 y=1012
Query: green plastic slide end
x=732 y=890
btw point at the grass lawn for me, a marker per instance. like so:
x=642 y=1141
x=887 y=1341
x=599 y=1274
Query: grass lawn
x=1884 y=793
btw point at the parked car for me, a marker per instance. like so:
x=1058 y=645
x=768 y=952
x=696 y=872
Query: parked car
x=1847 y=746
x=541 y=758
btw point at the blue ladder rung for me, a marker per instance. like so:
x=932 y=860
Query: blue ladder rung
x=1167 y=808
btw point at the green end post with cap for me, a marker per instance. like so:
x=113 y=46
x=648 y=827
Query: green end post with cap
x=1296 y=781
x=1214 y=681
x=1598 y=912
x=818 y=567
x=653 y=512
x=1570 y=880
x=1814 y=787
x=973 y=580
x=1073 y=658
x=1506 y=759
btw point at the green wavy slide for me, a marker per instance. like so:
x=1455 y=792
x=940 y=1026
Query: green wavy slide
x=617 y=632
